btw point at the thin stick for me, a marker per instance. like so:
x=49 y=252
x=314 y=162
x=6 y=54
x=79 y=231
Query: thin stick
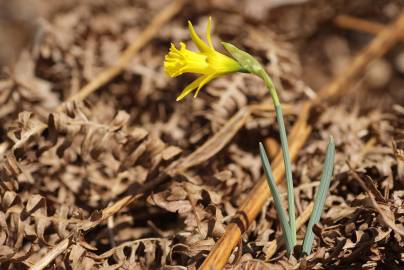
x=382 y=43
x=223 y=248
x=361 y=25
x=152 y=29
x=51 y=255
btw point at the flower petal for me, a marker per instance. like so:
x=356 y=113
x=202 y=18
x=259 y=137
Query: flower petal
x=208 y=32
x=190 y=87
x=204 y=81
x=196 y=39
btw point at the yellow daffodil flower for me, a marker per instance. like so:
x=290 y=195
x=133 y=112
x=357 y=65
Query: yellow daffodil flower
x=208 y=62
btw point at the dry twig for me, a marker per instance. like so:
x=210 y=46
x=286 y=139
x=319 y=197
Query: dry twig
x=345 y=21
x=51 y=255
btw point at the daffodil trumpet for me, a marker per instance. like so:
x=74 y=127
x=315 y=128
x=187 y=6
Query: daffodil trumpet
x=207 y=62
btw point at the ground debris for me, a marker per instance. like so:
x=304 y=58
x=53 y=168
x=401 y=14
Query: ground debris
x=131 y=179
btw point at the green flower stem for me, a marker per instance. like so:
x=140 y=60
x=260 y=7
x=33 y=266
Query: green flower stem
x=287 y=236
x=250 y=65
x=320 y=197
x=288 y=172
x=285 y=152
x=269 y=84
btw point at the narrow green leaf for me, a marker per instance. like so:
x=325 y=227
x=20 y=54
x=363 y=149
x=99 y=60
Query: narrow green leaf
x=277 y=199
x=320 y=196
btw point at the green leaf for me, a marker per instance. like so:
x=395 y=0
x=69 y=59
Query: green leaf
x=320 y=196
x=287 y=235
